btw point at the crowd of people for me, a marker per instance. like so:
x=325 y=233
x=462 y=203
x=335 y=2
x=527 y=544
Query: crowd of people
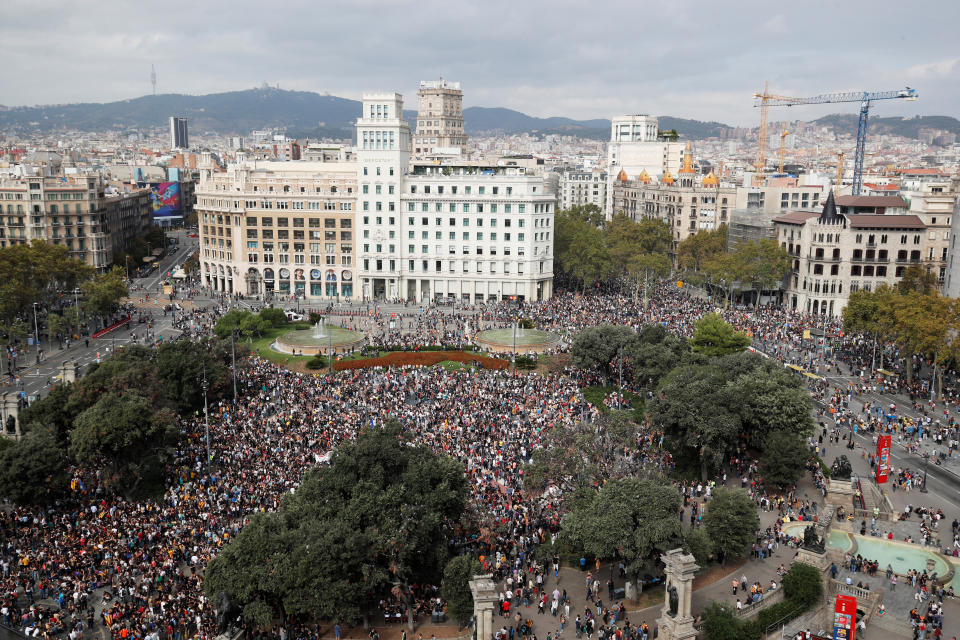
x=135 y=567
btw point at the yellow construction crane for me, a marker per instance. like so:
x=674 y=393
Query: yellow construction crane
x=783 y=138
x=836 y=184
x=761 y=165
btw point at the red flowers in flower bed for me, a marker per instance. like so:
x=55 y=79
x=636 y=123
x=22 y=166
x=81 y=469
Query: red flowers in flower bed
x=422 y=358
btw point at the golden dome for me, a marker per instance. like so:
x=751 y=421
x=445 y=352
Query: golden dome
x=711 y=180
x=622 y=176
x=644 y=177
x=666 y=178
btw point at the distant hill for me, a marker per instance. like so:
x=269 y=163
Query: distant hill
x=302 y=113
x=906 y=127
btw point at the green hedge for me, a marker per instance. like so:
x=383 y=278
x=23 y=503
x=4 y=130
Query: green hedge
x=802 y=586
x=316 y=362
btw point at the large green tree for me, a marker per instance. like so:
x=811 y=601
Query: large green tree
x=784 y=459
x=455 y=588
x=596 y=347
x=765 y=264
x=698 y=415
x=714 y=336
x=630 y=519
x=654 y=354
x=34 y=470
x=103 y=293
x=180 y=367
x=732 y=522
x=695 y=251
x=126 y=436
x=35 y=273
x=368 y=527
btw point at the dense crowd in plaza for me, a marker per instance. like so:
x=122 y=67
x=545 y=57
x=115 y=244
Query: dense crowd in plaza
x=139 y=564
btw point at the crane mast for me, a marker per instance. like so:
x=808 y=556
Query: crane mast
x=865 y=98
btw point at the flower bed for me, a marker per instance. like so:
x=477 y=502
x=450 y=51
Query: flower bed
x=421 y=358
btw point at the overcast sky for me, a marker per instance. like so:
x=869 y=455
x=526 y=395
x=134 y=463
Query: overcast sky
x=579 y=59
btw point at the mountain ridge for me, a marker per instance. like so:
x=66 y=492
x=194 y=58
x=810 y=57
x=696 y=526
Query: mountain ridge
x=310 y=114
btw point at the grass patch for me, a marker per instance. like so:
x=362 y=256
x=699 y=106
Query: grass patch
x=595 y=396
x=453 y=365
x=261 y=345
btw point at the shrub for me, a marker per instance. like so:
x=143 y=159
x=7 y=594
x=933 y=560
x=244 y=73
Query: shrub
x=525 y=323
x=526 y=362
x=803 y=584
x=276 y=317
x=316 y=362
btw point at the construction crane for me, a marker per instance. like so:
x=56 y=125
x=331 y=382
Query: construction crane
x=783 y=138
x=765 y=100
x=836 y=184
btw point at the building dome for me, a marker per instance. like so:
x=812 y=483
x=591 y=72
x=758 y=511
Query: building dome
x=711 y=180
x=667 y=177
x=622 y=176
x=644 y=177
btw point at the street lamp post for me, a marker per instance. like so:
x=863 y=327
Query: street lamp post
x=926 y=462
x=330 y=348
x=206 y=414
x=233 y=356
x=515 y=321
x=36 y=332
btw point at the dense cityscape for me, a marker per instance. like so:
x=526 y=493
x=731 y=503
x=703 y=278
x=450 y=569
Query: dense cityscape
x=285 y=364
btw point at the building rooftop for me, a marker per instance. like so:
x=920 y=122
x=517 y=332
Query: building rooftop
x=796 y=217
x=871 y=201
x=870 y=221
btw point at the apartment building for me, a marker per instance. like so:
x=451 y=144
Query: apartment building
x=688 y=203
x=439 y=120
x=73 y=211
x=834 y=254
x=578 y=188
x=278 y=228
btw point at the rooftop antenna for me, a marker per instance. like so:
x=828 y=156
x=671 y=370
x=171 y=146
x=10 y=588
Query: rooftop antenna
x=153 y=78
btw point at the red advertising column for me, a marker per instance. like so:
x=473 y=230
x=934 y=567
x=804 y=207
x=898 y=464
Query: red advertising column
x=883 y=459
x=845 y=618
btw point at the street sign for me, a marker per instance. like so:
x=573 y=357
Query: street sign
x=883 y=458
x=844 y=618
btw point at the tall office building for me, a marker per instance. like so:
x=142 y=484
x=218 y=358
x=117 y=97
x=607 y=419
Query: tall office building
x=178 y=133
x=440 y=120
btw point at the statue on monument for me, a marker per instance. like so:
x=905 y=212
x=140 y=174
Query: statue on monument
x=674 y=600
x=841 y=469
x=811 y=540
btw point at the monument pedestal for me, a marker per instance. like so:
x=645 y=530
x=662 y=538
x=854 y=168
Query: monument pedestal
x=485 y=598
x=675 y=621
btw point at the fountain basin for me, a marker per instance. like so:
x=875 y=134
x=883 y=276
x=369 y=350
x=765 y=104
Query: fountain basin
x=529 y=341
x=306 y=343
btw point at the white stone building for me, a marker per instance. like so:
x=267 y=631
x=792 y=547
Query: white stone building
x=635 y=147
x=834 y=254
x=581 y=187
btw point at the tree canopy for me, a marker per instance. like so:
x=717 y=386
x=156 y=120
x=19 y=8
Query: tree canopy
x=367 y=527
x=731 y=521
x=630 y=519
x=714 y=336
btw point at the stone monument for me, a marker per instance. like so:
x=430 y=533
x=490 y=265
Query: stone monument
x=485 y=599
x=10 y=415
x=69 y=372
x=675 y=621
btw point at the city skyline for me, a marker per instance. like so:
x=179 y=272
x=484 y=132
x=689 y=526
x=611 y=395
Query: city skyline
x=692 y=61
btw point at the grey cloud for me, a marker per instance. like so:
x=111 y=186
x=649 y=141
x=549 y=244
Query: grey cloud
x=545 y=57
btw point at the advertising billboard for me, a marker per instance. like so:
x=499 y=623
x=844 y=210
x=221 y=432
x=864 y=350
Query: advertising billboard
x=166 y=199
x=883 y=458
x=844 y=618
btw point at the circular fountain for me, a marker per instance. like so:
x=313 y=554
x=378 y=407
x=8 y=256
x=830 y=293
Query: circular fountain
x=526 y=340
x=321 y=338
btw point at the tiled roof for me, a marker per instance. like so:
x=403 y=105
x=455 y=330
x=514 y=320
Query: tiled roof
x=870 y=221
x=796 y=217
x=871 y=201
